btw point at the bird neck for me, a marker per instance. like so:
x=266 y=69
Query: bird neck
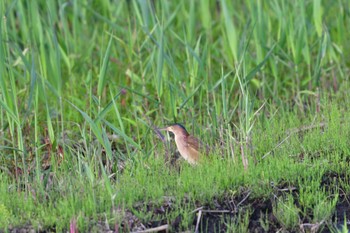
x=181 y=136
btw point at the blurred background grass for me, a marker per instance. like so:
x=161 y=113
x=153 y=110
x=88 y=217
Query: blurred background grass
x=205 y=63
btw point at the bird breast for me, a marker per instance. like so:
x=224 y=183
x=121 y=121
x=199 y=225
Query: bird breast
x=186 y=151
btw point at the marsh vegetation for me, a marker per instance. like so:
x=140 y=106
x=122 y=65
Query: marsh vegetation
x=84 y=84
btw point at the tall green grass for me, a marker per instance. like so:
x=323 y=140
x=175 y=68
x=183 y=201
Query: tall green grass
x=83 y=85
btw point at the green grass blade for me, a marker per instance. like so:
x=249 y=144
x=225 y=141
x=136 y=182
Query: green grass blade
x=106 y=109
x=251 y=74
x=317 y=16
x=123 y=135
x=102 y=76
x=230 y=30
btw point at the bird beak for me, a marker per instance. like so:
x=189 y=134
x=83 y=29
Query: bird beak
x=166 y=129
x=160 y=135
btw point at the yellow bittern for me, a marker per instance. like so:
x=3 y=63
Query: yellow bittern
x=189 y=147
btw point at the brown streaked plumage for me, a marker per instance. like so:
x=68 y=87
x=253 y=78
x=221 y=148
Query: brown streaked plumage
x=189 y=147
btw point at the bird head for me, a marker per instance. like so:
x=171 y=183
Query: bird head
x=177 y=129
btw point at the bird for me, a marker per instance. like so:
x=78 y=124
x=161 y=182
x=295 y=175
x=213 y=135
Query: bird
x=190 y=148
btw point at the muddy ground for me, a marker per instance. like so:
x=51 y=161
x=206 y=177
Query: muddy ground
x=215 y=215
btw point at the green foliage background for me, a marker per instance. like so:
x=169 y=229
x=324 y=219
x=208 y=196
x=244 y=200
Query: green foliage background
x=84 y=83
